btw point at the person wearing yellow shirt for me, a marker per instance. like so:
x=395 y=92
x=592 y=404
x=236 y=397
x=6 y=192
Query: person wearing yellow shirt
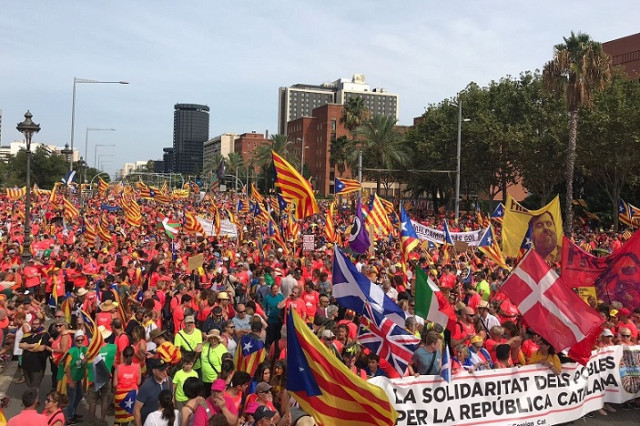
x=546 y=356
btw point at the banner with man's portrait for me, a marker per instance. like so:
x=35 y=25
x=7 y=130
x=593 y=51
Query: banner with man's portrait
x=545 y=224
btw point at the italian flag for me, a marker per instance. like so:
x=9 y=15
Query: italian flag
x=431 y=303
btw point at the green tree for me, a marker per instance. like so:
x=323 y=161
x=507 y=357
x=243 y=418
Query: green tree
x=383 y=149
x=338 y=153
x=610 y=138
x=579 y=67
x=354 y=113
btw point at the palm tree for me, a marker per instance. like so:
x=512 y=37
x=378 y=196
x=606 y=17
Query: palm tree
x=579 y=67
x=234 y=164
x=354 y=113
x=338 y=153
x=381 y=146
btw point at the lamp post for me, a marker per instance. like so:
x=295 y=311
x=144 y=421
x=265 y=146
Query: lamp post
x=302 y=148
x=86 y=140
x=73 y=104
x=81 y=169
x=100 y=157
x=95 y=153
x=458 y=156
x=27 y=128
x=68 y=153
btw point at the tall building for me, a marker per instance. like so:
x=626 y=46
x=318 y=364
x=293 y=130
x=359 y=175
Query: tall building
x=190 y=132
x=246 y=145
x=300 y=100
x=625 y=52
x=222 y=144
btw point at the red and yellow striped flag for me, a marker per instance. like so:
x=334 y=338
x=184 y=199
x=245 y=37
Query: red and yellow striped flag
x=102 y=187
x=329 y=229
x=192 y=225
x=294 y=188
x=16 y=193
x=70 y=211
x=378 y=217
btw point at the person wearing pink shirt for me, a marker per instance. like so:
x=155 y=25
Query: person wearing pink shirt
x=311 y=299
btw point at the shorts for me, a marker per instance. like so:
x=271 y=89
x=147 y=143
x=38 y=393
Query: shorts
x=101 y=396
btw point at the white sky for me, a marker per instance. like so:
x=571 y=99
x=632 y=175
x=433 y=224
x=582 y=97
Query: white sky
x=234 y=55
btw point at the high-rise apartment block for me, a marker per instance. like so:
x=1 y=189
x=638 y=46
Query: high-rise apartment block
x=300 y=100
x=190 y=132
x=625 y=52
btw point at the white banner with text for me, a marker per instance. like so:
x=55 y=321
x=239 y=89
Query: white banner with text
x=530 y=395
x=437 y=236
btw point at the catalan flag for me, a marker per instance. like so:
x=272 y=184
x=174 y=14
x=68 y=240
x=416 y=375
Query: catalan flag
x=527 y=243
x=293 y=227
x=329 y=229
x=103 y=233
x=52 y=197
x=96 y=340
x=378 y=217
x=243 y=207
x=102 y=187
x=490 y=247
x=256 y=194
x=326 y=388
x=67 y=308
x=89 y=233
x=294 y=188
x=344 y=186
x=249 y=354
x=152 y=193
x=70 y=211
x=192 y=225
x=16 y=193
x=388 y=206
x=276 y=236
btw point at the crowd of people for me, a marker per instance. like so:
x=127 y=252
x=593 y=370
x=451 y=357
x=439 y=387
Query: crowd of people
x=171 y=330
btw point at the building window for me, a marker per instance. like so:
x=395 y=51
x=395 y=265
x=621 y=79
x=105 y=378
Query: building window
x=333 y=125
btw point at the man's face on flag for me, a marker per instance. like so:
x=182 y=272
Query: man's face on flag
x=543 y=234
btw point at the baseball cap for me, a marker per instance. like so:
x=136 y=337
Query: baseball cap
x=607 y=333
x=328 y=334
x=157 y=364
x=263 y=412
x=263 y=387
x=218 y=385
x=189 y=319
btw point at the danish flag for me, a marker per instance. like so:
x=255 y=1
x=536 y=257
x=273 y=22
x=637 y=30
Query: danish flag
x=549 y=305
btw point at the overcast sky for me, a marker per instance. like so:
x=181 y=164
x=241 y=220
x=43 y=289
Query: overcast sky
x=234 y=55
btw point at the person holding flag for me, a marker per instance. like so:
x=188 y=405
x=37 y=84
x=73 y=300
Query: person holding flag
x=74 y=372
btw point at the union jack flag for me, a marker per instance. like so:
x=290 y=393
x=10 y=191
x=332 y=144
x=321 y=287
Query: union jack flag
x=387 y=339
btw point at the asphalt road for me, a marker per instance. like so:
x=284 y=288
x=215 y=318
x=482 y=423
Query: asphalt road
x=10 y=374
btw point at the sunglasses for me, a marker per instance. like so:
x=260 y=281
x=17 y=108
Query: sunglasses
x=242 y=312
x=625 y=335
x=189 y=323
x=59 y=325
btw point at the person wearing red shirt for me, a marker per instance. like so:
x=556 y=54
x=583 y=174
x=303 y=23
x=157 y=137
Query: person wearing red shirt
x=464 y=328
x=349 y=316
x=472 y=296
x=311 y=299
x=447 y=280
x=31 y=276
x=296 y=302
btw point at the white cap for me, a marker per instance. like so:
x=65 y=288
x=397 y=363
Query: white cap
x=79 y=333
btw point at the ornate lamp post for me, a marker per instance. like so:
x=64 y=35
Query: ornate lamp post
x=27 y=128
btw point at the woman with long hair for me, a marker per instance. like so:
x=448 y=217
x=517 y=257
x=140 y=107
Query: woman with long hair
x=139 y=345
x=166 y=414
x=53 y=406
x=546 y=355
x=126 y=378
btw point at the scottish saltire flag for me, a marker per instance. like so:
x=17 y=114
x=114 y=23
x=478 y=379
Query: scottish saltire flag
x=69 y=177
x=324 y=386
x=445 y=370
x=387 y=339
x=353 y=290
x=249 y=353
x=447 y=234
x=359 y=238
x=345 y=186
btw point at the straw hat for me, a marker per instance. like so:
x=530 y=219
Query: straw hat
x=108 y=305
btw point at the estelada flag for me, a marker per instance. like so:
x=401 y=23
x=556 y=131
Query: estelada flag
x=548 y=305
x=324 y=386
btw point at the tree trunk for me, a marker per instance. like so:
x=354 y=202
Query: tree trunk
x=571 y=164
x=616 y=222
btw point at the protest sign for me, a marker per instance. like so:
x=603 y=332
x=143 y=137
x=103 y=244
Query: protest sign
x=227 y=229
x=308 y=242
x=530 y=395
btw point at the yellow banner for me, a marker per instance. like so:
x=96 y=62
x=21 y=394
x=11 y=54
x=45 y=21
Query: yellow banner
x=546 y=229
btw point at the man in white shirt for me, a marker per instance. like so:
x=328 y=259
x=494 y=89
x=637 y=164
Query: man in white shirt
x=486 y=318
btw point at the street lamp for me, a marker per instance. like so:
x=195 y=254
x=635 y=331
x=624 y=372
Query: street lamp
x=81 y=169
x=95 y=153
x=458 y=155
x=100 y=157
x=302 y=148
x=102 y=163
x=86 y=140
x=27 y=128
x=73 y=104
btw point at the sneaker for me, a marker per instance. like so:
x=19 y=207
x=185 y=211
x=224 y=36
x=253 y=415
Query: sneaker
x=72 y=422
x=626 y=406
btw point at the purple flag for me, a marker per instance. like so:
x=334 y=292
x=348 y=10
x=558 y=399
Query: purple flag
x=359 y=238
